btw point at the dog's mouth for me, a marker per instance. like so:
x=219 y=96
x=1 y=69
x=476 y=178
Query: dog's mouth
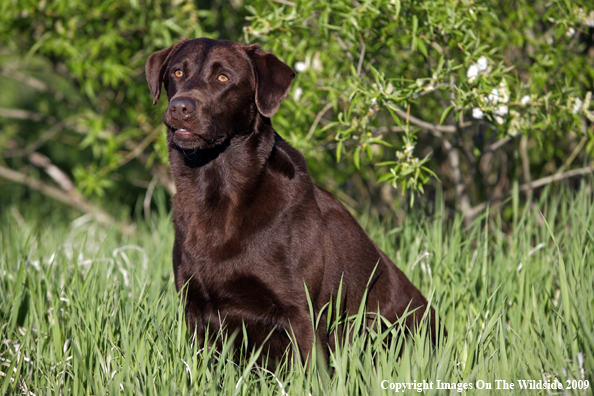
x=183 y=134
x=185 y=137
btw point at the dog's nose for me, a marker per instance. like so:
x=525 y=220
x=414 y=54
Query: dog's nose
x=182 y=108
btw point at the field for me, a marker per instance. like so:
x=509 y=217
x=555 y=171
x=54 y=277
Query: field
x=85 y=310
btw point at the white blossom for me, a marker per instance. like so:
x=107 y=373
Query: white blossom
x=300 y=67
x=316 y=63
x=477 y=113
x=482 y=63
x=570 y=32
x=499 y=120
x=297 y=93
x=500 y=94
x=389 y=88
x=577 y=105
x=515 y=124
x=590 y=19
x=586 y=105
x=525 y=100
x=503 y=91
x=472 y=72
x=494 y=96
x=501 y=110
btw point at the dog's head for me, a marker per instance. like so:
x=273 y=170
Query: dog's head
x=215 y=89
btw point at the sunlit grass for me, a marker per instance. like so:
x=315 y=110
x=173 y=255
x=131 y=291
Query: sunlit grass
x=85 y=310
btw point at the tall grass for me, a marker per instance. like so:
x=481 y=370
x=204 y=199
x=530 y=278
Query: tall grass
x=85 y=310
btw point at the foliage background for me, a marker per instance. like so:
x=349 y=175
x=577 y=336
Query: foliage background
x=386 y=90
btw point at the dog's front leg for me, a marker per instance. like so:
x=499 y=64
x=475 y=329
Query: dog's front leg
x=304 y=340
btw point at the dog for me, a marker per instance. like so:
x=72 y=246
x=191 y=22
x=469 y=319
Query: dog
x=256 y=241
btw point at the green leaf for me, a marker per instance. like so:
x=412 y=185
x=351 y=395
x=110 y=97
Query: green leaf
x=445 y=114
x=385 y=177
x=369 y=152
x=386 y=163
x=422 y=48
x=381 y=142
x=356 y=158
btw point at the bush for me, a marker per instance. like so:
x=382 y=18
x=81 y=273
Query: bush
x=479 y=98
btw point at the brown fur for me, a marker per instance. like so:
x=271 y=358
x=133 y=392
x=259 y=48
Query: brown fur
x=251 y=229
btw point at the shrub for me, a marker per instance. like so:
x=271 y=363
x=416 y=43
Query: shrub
x=477 y=97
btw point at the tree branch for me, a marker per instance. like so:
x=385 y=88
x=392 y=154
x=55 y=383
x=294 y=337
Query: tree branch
x=574 y=154
x=423 y=124
x=14 y=74
x=344 y=47
x=27 y=80
x=136 y=151
x=361 y=58
x=454 y=160
x=321 y=114
x=73 y=199
x=21 y=114
x=53 y=171
x=535 y=184
x=526 y=165
x=47 y=135
x=428 y=91
x=285 y=2
x=318 y=118
x=495 y=146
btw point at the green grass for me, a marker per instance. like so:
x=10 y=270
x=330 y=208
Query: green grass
x=85 y=310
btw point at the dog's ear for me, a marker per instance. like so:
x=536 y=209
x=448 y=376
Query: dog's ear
x=273 y=80
x=156 y=65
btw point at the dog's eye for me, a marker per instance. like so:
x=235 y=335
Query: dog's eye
x=223 y=78
x=178 y=73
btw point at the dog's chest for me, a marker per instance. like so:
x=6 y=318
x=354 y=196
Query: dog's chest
x=238 y=295
x=237 y=275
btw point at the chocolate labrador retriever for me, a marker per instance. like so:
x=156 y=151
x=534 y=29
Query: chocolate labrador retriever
x=252 y=231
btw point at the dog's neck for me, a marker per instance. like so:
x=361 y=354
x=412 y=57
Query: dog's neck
x=214 y=175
